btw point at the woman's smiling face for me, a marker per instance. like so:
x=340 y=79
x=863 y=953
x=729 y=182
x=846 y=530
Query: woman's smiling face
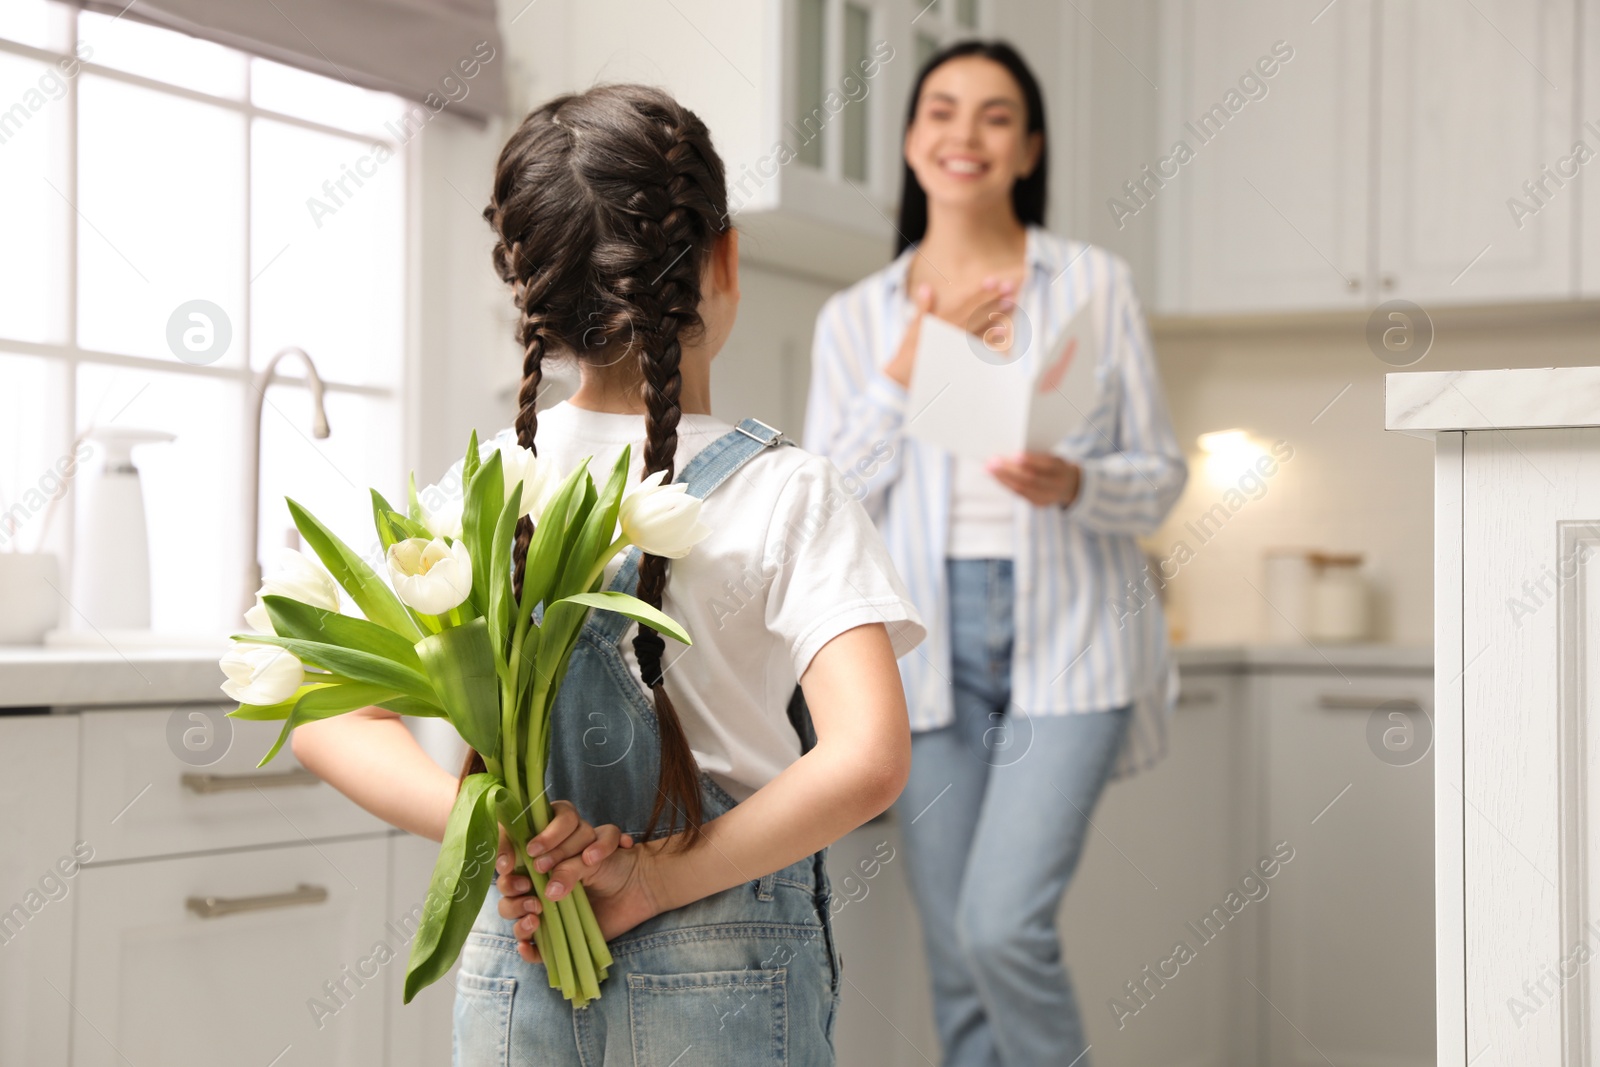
x=968 y=139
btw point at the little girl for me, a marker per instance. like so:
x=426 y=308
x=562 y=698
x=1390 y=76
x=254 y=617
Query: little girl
x=687 y=803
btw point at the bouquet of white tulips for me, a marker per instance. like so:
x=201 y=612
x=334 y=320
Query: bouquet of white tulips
x=452 y=639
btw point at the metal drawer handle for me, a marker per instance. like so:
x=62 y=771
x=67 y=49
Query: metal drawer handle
x=1200 y=696
x=217 y=907
x=1343 y=703
x=227 y=783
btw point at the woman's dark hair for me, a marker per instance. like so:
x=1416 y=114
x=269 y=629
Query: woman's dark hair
x=605 y=206
x=1027 y=194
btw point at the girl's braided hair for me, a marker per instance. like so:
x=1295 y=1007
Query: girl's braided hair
x=605 y=207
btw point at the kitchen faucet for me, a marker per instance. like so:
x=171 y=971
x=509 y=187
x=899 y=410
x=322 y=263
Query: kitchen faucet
x=252 y=509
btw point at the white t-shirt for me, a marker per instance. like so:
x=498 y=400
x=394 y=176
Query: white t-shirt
x=983 y=514
x=793 y=560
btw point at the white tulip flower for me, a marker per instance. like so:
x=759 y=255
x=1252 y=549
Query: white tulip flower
x=663 y=520
x=446 y=521
x=261 y=674
x=298 y=577
x=430 y=576
x=538 y=477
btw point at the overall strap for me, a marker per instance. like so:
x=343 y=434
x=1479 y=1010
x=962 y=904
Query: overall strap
x=712 y=466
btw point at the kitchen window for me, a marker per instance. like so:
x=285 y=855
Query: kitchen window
x=175 y=213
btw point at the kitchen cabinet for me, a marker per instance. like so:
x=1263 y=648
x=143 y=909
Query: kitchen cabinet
x=1271 y=212
x=40 y=882
x=1167 y=847
x=1517 y=530
x=1588 y=121
x=237 y=957
x=185 y=779
x=1381 y=161
x=419 y=1033
x=1473 y=104
x=1229 y=845
x=1350 y=779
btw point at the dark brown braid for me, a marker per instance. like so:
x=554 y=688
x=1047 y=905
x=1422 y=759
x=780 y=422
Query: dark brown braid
x=606 y=205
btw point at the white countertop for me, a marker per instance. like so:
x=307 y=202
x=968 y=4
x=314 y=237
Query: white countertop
x=1425 y=402
x=32 y=676
x=36 y=676
x=1324 y=656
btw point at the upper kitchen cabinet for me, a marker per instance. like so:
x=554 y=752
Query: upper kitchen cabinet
x=1261 y=177
x=1295 y=172
x=1475 y=156
x=805 y=99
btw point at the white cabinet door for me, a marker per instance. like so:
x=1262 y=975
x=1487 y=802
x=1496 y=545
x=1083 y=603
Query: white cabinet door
x=38 y=800
x=886 y=1010
x=1349 y=961
x=1167 y=846
x=1475 y=99
x=154 y=982
x=1272 y=208
x=1523 y=782
x=1589 y=134
x=184 y=779
x=419 y=1032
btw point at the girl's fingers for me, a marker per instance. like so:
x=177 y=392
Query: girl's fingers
x=607 y=839
x=515 y=906
x=576 y=842
x=562 y=823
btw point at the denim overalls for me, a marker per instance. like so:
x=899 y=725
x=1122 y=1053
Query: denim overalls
x=748 y=976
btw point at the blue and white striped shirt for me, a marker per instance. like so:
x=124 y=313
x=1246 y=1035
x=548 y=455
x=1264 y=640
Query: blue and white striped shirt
x=1078 y=645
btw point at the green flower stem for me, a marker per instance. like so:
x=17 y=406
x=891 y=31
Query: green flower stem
x=598 y=949
x=605 y=557
x=588 y=984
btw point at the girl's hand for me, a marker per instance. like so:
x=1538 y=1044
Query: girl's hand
x=1042 y=478
x=615 y=874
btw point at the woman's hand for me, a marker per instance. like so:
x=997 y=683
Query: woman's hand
x=1042 y=478
x=994 y=287
x=618 y=877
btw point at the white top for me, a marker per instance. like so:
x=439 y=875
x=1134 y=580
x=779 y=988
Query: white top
x=1424 y=402
x=982 y=514
x=793 y=561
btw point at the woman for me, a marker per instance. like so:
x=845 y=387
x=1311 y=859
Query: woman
x=609 y=210
x=1035 y=684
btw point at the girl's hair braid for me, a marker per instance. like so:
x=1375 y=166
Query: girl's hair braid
x=606 y=205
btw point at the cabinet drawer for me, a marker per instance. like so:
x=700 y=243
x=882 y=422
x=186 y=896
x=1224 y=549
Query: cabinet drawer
x=147 y=790
x=38 y=787
x=292 y=957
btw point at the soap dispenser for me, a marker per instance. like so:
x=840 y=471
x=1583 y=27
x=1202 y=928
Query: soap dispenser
x=111 y=570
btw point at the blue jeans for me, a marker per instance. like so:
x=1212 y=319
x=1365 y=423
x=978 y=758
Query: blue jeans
x=750 y=975
x=994 y=817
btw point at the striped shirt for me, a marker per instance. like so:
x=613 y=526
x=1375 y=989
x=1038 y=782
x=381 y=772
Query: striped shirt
x=1087 y=637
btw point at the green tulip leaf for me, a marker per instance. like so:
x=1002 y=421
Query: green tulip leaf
x=413 y=502
x=469 y=462
x=633 y=608
x=354 y=664
x=549 y=538
x=461 y=878
x=324 y=702
x=500 y=592
x=375 y=599
x=460 y=662
x=485 y=496
x=291 y=618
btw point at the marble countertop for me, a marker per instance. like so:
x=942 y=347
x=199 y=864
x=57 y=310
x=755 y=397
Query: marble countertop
x=38 y=677
x=1426 y=402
